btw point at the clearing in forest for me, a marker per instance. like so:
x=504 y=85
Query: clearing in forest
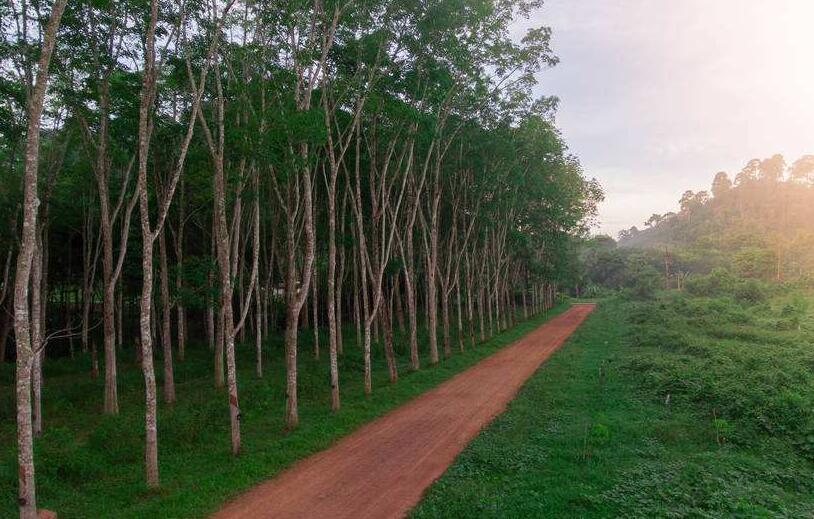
x=382 y=469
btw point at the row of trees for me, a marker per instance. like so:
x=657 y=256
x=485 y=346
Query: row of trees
x=332 y=161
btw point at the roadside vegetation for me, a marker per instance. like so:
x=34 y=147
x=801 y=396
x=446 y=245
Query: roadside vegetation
x=690 y=404
x=90 y=462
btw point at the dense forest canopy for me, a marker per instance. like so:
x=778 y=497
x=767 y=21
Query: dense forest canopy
x=194 y=174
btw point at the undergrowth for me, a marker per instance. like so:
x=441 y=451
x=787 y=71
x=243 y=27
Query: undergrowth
x=681 y=406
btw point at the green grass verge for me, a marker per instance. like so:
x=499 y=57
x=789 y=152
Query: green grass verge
x=671 y=408
x=89 y=465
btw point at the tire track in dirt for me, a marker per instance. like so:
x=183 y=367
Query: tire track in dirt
x=382 y=469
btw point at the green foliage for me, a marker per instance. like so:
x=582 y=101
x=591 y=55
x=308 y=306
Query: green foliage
x=195 y=291
x=602 y=262
x=90 y=465
x=761 y=226
x=705 y=411
x=753 y=262
x=721 y=282
x=641 y=278
x=717 y=283
x=756 y=381
x=723 y=429
x=750 y=291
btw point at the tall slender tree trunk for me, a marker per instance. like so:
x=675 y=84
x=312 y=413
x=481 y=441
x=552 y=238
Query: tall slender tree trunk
x=295 y=299
x=179 y=276
x=525 y=307
x=258 y=331
x=340 y=282
x=292 y=321
x=227 y=329
x=166 y=320
x=459 y=314
x=26 y=490
x=332 y=296
x=399 y=305
x=412 y=318
x=242 y=301
x=36 y=337
x=147 y=243
x=120 y=315
x=315 y=309
x=496 y=297
x=210 y=315
x=111 y=403
x=409 y=282
x=87 y=277
x=489 y=308
x=432 y=292
x=445 y=321
x=219 y=335
x=357 y=317
x=305 y=317
x=147 y=368
x=367 y=321
x=470 y=318
x=387 y=330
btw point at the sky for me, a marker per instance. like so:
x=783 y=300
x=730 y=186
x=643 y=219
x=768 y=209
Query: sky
x=656 y=96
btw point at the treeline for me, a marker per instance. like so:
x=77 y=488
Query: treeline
x=758 y=224
x=191 y=174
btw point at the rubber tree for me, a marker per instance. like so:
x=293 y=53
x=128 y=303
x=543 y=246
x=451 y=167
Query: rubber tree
x=36 y=85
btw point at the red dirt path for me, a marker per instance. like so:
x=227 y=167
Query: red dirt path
x=382 y=469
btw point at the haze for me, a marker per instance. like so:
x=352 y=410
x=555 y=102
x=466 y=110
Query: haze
x=656 y=96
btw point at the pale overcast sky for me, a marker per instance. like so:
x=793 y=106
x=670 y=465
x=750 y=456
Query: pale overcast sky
x=658 y=95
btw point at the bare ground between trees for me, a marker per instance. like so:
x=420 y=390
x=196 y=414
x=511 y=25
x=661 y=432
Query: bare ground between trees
x=382 y=469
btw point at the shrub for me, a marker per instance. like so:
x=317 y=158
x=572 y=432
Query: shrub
x=595 y=291
x=754 y=262
x=751 y=291
x=642 y=279
x=718 y=282
x=797 y=307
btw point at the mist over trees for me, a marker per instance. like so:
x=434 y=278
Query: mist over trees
x=756 y=224
x=183 y=175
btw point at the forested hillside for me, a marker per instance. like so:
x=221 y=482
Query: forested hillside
x=758 y=223
x=214 y=180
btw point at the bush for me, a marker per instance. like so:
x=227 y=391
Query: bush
x=595 y=291
x=751 y=292
x=721 y=282
x=642 y=279
x=715 y=354
x=797 y=307
x=718 y=282
x=754 y=262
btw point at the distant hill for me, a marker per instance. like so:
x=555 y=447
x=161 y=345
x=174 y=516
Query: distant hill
x=758 y=224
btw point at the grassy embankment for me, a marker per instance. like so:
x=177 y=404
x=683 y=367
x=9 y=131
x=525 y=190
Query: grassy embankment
x=678 y=407
x=90 y=465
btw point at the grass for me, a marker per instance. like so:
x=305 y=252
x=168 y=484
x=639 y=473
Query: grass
x=678 y=407
x=90 y=465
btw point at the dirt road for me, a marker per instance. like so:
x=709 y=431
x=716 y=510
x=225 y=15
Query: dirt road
x=381 y=470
